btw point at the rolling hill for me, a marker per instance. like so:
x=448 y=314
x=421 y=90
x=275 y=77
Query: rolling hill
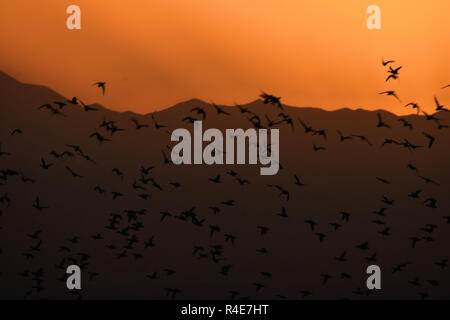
x=128 y=251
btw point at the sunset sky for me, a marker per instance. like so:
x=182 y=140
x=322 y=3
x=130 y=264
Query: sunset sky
x=153 y=54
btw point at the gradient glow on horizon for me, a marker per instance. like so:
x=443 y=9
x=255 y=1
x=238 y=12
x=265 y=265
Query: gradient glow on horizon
x=156 y=53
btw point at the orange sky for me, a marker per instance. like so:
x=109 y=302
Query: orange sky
x=153 y=54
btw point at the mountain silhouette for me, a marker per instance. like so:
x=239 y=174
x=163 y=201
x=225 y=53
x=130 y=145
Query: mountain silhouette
x=133 y=222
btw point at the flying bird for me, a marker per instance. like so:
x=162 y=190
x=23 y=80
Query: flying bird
x=3 y=153
x=16 y=131
x=414 y=106
x=342 y=137
x=406 y=123
x=381 y=123
x=439 y=107
x=363 y=138
x=430 y=117
x=219 y=110
x=101 y=85
x=199 y=111
x=430 y=138
x=385 y=63
x=86 y=107
x=138 y=125
x=390 y=93
x=37 y=205
x=74 y=100
x=157 y=125
x=268 y=98
x=394 y=71
x=298 y=182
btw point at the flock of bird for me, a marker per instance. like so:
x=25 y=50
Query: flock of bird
x=136 y=241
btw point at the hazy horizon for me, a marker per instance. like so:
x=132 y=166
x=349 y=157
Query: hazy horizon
x=244 y=103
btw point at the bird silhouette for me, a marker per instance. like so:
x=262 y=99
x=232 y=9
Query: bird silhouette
x=439 y=107
x=381 y=212
x=389 y=141
x=345 y=216
x=428 y=180
x=283 y=213
x=385 y=232
x=263 y=230
x=215 y=210
x=213 y=228
x=400 y=267
x=243 y=109
x=87 y=108
x=381 y=123
x=3 y=153
x=415 y=194
x=112 y=128
x=387 y=201
x=242 y=181
x=229 y=203
x=405 y=123
x=430 y=138
x=37 y=205
x=298 y=182
x=430 y=116
x=216 y=179
x=385 y=63
x=138 y=125
x=312 y=223
x=362 y=138
x=229 y=237
x=101 y=85
x=60 y=104
x=363 y=246
x=321 y=132
x=383 y=180
x=156 y=124
x=116 y=194
x=308 y=129
x=442 y=264
x=219 y=110
x=189 y=119
x=341 y=257
x=268 y=98
x=99 y=137
x=199 y=111
x=175 y=184
x=414 y=241
x=74 y=100
x=393 y=72
x=271 y=123
x=414 y=106
x=283 y=192
x=441 y=126
x=391 y=76
x=73 y=173
x=325 y=278
x=335 y=225
x=391 y=93
x=342 y=137
x=45 y=165
x=16 y=131
x=318 y=148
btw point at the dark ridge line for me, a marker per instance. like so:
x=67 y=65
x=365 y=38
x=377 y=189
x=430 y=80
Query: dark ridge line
x=207 y=104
